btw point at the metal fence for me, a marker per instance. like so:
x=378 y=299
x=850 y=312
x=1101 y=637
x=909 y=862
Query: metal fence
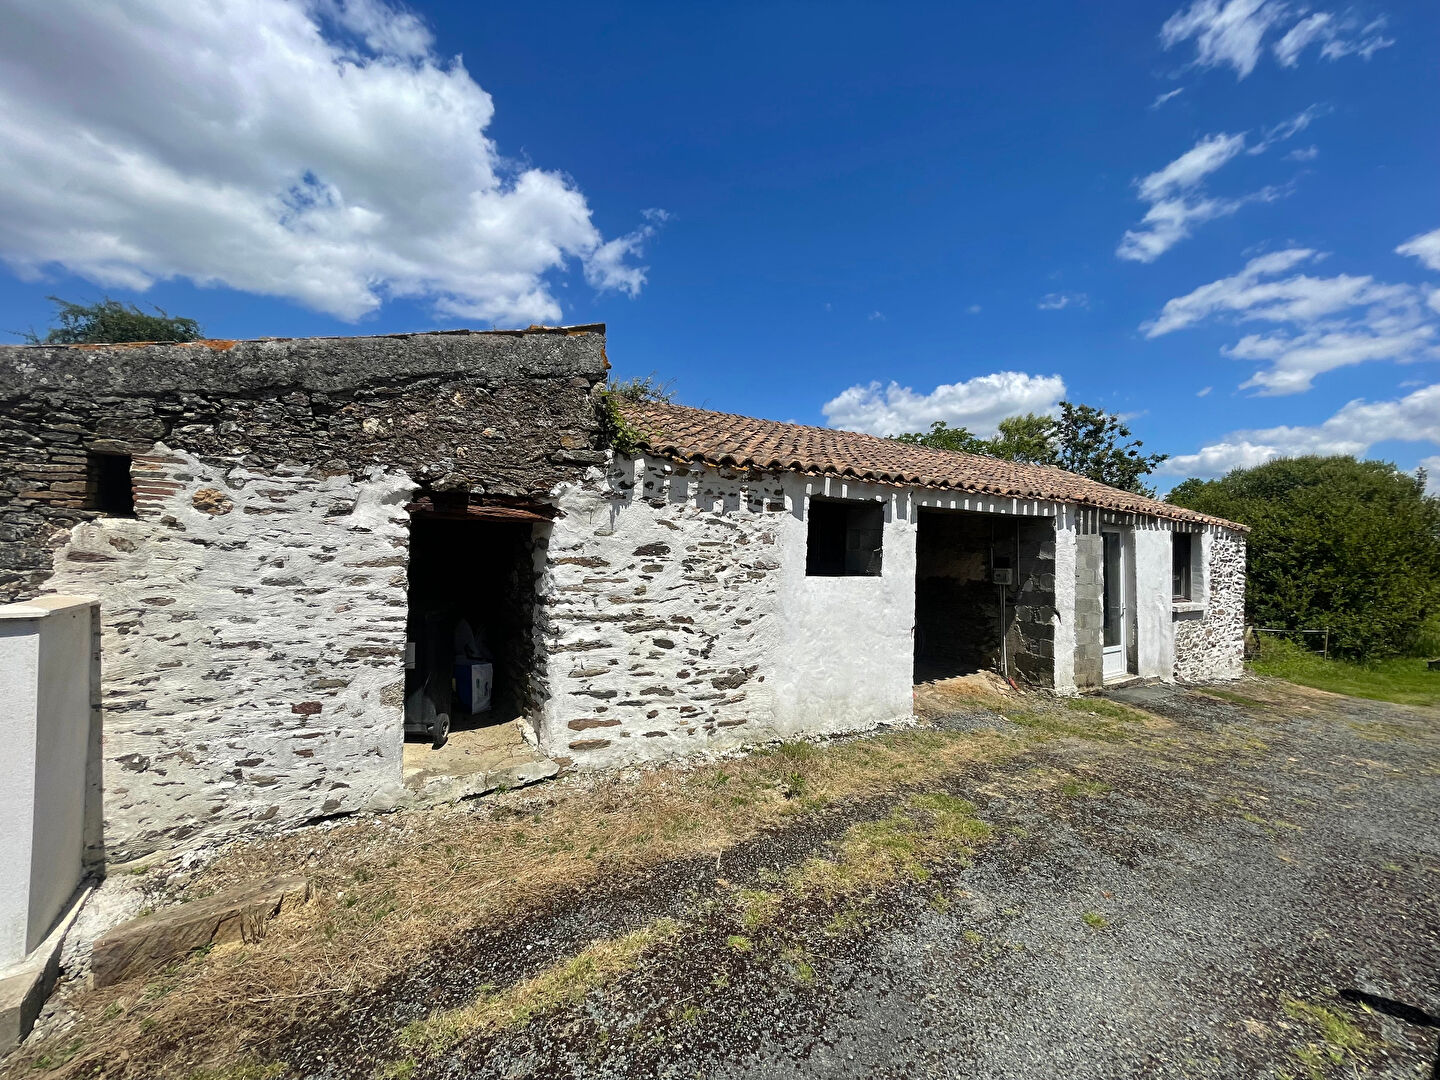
x=1325 y=635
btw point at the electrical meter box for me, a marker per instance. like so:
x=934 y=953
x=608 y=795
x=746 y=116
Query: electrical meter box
x=1001 y=572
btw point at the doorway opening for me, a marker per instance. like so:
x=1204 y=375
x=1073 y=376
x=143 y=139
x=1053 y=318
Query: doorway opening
x=470 y=647
x=966 y=585
x=1116 y=589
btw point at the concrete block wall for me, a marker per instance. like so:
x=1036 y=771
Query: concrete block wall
x=1031 y=635
x=1089 y=603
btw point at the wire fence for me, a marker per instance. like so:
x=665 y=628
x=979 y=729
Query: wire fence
x=1324 y=634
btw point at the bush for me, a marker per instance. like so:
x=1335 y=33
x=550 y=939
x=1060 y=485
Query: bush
x=1352 y=545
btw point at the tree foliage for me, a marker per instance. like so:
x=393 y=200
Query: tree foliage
x=942 y=436
x=1352 y=545
x=1082 y=439
x=110 y=321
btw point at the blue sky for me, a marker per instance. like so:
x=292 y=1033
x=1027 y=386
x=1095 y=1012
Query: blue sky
x=785 y=208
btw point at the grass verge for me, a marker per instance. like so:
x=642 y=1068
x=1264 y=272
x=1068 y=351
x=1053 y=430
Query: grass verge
x=1403 y=681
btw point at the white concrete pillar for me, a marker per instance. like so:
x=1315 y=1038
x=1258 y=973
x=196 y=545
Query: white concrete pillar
x=50 y=796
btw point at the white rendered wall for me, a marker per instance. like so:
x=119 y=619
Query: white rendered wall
x=846 y=653
x=1154 y=625
x=48 y=732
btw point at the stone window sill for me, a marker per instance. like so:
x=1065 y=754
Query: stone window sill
x=1188 y=607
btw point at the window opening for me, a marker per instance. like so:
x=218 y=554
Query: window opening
x=844 y=538
x=1180 y=576
x=108 y=486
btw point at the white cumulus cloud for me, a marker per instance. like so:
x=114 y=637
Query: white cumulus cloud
x=978 y=404
x=1425 y=247
x=1323 y=322
x=1233 y=33
x=316 y=150
x=1355 y=428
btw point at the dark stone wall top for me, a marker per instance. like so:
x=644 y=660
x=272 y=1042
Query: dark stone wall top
x=487 y=415
x=277 y=365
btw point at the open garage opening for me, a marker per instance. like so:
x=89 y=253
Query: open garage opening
x=470 y=629
x=984 y=596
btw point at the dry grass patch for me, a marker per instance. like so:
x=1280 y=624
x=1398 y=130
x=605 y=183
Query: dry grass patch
x=388 y=889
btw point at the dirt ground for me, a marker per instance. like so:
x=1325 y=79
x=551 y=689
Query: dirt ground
x=1206 y=882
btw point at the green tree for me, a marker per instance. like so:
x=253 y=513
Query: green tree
x=1352 y=545
x=1097 y=444
x=1082 y=439
x=1029 y=438
x=942 y=436
x=108 y=321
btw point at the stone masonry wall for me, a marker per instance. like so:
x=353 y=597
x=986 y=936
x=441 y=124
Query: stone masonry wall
x=660 y=614
x=251 y=625
x=254 y=606
x=492 y=414
x=1210 y=644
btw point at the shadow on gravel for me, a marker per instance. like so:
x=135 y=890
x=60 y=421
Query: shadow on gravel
x=1408 y=1014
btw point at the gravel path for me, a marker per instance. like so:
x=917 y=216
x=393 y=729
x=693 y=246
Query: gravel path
x=1205 y=901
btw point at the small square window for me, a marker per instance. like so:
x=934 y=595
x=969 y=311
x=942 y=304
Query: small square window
x=107 y=485
x=1181 y=546
x=844 y=538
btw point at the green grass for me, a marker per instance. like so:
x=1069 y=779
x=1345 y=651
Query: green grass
x=1403 y=681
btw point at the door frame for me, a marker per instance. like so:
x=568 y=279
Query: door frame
x=1115 y=660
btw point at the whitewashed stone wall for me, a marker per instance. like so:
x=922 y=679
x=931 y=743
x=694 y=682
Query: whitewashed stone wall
x=1210 y=633
x=254 y=628
x=677 y=616
x=660 y=616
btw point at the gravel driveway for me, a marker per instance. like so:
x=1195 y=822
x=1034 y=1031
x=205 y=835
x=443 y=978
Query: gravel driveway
x=1249 y=890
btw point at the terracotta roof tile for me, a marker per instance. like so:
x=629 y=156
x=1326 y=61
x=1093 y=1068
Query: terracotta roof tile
x=716 y=438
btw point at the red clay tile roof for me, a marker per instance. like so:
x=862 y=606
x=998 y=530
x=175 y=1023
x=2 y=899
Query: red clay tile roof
x=716 y=438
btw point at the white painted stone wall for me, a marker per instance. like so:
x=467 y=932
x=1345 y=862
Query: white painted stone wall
x=49 y=736
x=677 y=616
x=1210 y=631
x=660 y=619
x=254 y=629
x=1154 y=625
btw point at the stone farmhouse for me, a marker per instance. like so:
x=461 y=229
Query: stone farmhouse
x=284 y=534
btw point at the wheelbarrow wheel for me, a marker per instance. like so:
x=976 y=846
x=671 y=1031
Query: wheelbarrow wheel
x=440 y=731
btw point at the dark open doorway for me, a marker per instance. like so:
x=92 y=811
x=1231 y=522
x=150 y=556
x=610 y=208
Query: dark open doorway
x=471 y=623
x=964 y=575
